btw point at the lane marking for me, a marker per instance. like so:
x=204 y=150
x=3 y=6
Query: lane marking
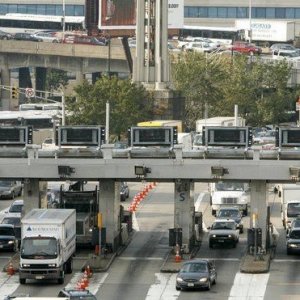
x=163 y=288
x=140 y=258
x=135 y=224
x=249 y=286
x=283 y=260
x=8 y=284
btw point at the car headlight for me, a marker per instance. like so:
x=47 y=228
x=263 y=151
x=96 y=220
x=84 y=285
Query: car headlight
x=52 y=265
x=203 y=279
x=25 y=265
x=292 y=245
x=213 y=235
x=11 y=242
x=179 y=279
x=229 y=235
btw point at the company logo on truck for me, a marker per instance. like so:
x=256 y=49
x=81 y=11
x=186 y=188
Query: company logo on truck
x=261 y=26
x=42 y=229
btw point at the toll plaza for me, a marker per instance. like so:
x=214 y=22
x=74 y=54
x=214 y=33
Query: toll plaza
x=153 y=155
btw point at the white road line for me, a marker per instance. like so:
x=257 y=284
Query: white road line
x=163 y=288
x=222 y=259
x=8 y=284
x=283 y=260
x=249 y=286
x=95 y=281
x=135 y=224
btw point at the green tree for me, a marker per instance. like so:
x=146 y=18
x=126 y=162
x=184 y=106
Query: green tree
x=129 y=104
x=56 y=79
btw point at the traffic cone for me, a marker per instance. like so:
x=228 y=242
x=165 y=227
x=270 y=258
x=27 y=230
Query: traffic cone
x=88 y=271
x=82 y=284
x=85 y=280
x=177 y=257
x=10 y=269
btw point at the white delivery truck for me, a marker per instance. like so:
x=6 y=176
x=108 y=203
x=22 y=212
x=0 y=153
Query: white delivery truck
x=216 y=121
x=290 y=203
x=230 y=193
x=48 y=244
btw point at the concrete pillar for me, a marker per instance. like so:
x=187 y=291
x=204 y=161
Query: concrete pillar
x=109 y=207
x=79 y=77
x=5 y=80
x=258 y=202
x=31 y=194
x=184 y=211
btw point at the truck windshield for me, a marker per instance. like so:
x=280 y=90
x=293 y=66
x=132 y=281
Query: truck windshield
x=37 y=247
x=230 y=186
x=293 y=210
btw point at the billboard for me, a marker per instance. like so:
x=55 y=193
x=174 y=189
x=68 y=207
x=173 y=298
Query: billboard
x=121 y=14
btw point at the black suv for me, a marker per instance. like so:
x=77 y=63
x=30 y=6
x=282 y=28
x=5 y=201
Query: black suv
x=24 y=36
x=293 y=241
x=76 y=294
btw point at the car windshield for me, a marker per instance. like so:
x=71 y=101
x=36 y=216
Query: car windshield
x=223 y=225
x=5 y=183
x=43 y=247
x=16 y=208
x=229 y=186
x=7 y=231
x=194 y=268
x=293 y=210
x=13 y=221
x=295 y=234
x=230 y=213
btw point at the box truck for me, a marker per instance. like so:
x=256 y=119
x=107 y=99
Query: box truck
x=290 y=203
x=48 y=244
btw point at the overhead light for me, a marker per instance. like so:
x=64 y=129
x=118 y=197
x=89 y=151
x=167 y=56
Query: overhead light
x=65 y=171
x=294 y=173
x=141 y=171
x=218 y=171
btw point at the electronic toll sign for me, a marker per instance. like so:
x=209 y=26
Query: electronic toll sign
x=288 y=137
x=152 y=136
x=90 y=136
x=227 y=136
x=16 y=135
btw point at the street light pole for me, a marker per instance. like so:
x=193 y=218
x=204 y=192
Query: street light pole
x=63 y=102
x=250 y=21
x=63 y=19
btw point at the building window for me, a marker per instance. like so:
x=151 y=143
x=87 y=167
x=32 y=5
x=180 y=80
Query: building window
x=12 y=8
x=31 y=9
x=41 y=9
x=270 y=13
x=297 y=13
x=203 y=12
x=222 y=12
x=22 y=9
x=290 y=13
x=280 y=13
x=50 y=10
x=259 y=13
x=191 y=12
x=78 y=10
x=231 y=12
x=3 y=9
x=212 y=12
x=242 y=12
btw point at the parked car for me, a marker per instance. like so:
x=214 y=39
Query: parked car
x=16 y=222
x=246 y=48
x=198 y=273
x=293 y=241
x=85 y=40
x=286 y=54
x=283 y=46
x=8 y=240
x=124 y=192
x=265 y=137
x=74 y=294
x=231 y=213
x=47 y=37
x=5 y=35
x=202 y=47
x=10 y=188
x=223 y=232
x=24 y=36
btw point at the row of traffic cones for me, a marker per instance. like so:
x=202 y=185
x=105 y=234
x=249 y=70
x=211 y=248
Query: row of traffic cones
x=140 y=196
x=83 y=282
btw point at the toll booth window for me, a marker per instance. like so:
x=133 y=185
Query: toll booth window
x=70 y=135
x=12 y=135
x=228 y=136
x=293 y=136
x=153 y=136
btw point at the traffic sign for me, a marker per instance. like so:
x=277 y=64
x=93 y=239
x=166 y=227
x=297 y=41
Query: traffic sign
x=29 y=92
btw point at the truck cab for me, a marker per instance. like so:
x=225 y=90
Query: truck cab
x=229 y=193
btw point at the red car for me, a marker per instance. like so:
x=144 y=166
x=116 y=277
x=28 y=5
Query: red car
x=247 y=48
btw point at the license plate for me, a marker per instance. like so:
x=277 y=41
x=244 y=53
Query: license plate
x=221 y=241
x=190 y=284
x=39 y=277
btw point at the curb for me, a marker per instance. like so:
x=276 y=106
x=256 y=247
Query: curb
x=252 y=266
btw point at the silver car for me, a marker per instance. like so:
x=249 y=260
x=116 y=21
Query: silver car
x=9 y=189
x=223 y=232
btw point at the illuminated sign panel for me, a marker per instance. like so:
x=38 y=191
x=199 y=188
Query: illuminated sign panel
x=16 y=136
x=227 y=136
x=92 y=136
x=152 y=136
x=288 y=137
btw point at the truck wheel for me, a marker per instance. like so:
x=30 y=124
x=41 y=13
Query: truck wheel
x=69 y=266
x=61 y=280
x=210 y=244
x=22 y=280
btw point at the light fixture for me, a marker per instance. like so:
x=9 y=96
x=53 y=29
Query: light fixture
x=65 y=171
x=294 y=173
x=218 y=171
x=141 y=171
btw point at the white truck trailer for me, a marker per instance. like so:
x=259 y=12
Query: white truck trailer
x=290 y=203
x=229 y=193
x=48 y=244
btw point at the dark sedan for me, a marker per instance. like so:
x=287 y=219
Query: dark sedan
x=8 y=239
x=199 y=273
x=24 y=36
x=74 y=294
x=124 y=192
x=5 y=35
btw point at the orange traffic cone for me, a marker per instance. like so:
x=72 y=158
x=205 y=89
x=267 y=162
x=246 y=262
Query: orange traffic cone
x=10 y=269
x=88 y=271
x=177 y=255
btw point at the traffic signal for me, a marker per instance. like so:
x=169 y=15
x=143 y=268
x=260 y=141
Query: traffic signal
x=14 y=92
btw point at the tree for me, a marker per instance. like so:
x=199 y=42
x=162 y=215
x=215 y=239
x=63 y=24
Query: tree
x=56 y=79
x=129 y=104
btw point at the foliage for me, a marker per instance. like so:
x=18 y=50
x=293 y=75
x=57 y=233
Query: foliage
x=129 y=104
x=259 y=89
x=56 y=79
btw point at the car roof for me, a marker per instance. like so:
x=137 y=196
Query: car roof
x=76 y=292
x=229 y=207
x=223 y=220
x=19 y=201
